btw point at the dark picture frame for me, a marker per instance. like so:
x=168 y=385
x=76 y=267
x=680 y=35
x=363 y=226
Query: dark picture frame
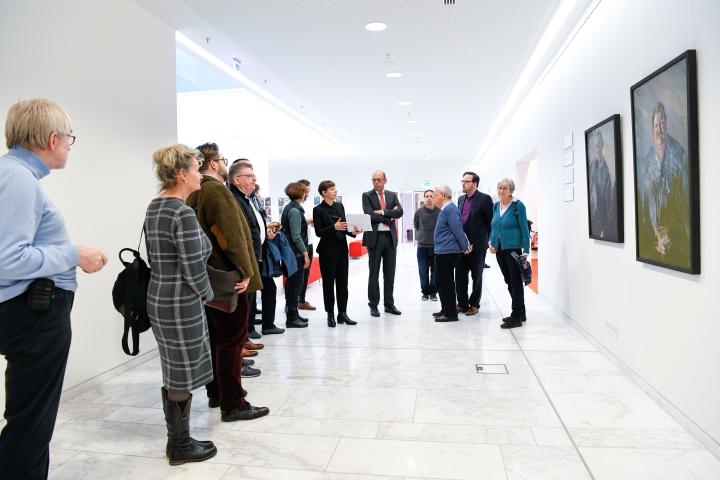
x=603 y=159
x=666 y=166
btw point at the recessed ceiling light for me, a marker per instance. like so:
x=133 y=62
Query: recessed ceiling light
x=411 y=121
x=416 y=135
x=404 y=103
x=375 y=27
x=393 y=75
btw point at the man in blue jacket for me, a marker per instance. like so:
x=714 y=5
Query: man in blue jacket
x=451 y=244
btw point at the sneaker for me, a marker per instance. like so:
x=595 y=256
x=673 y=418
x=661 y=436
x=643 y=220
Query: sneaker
x=425 y=297
x=250 y=372
x=254 y=335
x=433 y=297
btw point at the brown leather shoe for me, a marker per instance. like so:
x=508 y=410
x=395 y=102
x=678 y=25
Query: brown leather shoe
x=306 y=306
x=253 y=346
x=248 y=353
x=461 y=309
x=471 y=311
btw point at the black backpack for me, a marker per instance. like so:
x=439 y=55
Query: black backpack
x=130 y=298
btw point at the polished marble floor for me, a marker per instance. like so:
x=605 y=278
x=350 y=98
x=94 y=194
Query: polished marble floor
x=398 y=398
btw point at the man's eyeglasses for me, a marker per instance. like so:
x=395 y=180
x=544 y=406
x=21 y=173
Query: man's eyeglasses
x=70 y=138
x=249 y=175
x=223 y=159
x=466 y=181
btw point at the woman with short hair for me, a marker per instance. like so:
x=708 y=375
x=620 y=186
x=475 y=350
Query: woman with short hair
x=296 y=229
x=510 y=235
x=331 y=227
x=178 y=251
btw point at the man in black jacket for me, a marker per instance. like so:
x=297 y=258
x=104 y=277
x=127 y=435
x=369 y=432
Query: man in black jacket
x=242 y=184
x=384 y=208
x=476 y=209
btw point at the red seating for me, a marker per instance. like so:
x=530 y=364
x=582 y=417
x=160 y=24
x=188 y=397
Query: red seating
x=357 y=249
x=314 y=271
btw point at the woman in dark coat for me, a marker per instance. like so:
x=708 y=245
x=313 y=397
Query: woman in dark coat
x=331 y=227
x=178 y=251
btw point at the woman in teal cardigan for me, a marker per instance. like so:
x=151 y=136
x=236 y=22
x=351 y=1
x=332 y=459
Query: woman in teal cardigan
x=510 y=234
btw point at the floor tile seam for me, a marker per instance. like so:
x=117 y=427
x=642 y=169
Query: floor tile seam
x=332 y=455
x=647 y=449
x=677 y=457
x=116 y=454
x=557 y=413
x=368 y=475
x=489 y=444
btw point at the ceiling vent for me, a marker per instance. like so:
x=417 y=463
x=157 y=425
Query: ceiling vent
x=449 y=2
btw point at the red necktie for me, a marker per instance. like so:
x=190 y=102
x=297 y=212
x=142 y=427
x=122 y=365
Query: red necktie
x=382 y=200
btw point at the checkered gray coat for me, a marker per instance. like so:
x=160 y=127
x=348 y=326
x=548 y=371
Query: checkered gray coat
x=178 y=251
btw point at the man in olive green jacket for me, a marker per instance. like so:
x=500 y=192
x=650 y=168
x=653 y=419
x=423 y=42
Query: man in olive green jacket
x=224 y=223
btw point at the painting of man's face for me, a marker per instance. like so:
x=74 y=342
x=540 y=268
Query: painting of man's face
x=659 y=129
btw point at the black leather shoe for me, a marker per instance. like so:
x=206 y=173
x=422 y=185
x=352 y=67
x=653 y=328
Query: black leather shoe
x=445 y=318
x=393 y=310
x=295 y=323
x=248 y=413
x=343 y=318
x=514 y=323
x=253 y=334
x=374 y=311
x=213 y=402
x=257 y=321
x=437 y=314
x=273 y=331
x=303 y=319
x=248 y=362
x=512 y=319
x=331 y=320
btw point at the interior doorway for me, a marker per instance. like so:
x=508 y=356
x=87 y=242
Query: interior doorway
x=527 y=189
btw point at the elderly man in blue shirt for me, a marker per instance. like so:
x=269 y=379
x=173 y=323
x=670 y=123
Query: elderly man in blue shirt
x=37 y=285
x=451 y=244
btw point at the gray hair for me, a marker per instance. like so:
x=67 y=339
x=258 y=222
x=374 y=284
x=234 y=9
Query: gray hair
x=444 y=190
x=507 y=182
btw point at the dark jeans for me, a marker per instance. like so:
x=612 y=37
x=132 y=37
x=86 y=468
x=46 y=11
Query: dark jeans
x=472 y=263
x=227 y=335
x=513 y=279
x=293 y=284
x=446 y=264
x=269 y=298
x=384 y=251
x=36 y=347
x=303 y=290
x=334 y=271
x=427 y=268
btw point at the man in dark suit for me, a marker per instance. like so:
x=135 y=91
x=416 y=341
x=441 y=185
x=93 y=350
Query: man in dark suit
x=476 y=209
x=384 y=208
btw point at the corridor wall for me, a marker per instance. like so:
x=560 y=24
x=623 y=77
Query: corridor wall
x=111 y=65
x=661 y=324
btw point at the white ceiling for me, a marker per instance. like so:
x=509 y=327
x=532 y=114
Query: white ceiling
x=459 y=63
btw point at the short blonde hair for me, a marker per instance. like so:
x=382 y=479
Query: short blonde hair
x=170 y=160
x=31 y=122
x=507 y=182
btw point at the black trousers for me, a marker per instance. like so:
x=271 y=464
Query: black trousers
x=269 y=299
x=513 y=279
x=303 y=290
x=293 y=284
x=384 y=251
x=227 y=335
x=446 y=264
x=36 y=347
x=472 y=263
x=334 y=268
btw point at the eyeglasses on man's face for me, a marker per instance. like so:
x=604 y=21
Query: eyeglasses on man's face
x=223 y=159
x=466 y=181
x=70 y=138
x=249 y=175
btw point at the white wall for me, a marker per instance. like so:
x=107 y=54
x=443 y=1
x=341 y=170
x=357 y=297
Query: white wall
x=667 y=322
x=111 y=65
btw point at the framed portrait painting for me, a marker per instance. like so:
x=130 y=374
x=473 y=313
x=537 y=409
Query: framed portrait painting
x=603 y=157
x=665 y=144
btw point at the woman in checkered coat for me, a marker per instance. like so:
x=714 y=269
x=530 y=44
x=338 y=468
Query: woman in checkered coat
x=178 y=251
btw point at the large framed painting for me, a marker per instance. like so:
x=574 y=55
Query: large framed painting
x=665 y=144
x=603 y=157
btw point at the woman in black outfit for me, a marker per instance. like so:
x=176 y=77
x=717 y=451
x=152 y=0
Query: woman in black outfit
x=331 y=227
